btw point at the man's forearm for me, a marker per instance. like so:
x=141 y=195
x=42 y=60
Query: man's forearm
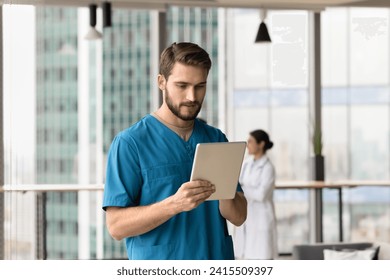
x=234 y=210
x=133 y=221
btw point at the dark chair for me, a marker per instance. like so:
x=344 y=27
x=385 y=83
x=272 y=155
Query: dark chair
x=316 y=251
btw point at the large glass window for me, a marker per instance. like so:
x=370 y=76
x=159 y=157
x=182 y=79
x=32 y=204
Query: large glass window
x=356 y=118
x=270 y=92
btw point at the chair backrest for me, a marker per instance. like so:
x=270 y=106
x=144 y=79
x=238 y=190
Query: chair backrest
x=316 y=251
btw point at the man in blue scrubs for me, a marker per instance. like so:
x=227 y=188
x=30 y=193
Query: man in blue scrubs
x=148 y=197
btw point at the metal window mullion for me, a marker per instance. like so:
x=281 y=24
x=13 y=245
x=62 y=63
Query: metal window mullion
x=315 y=116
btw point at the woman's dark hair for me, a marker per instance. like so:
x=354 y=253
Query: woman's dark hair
x=261 y=135
x=186 y=53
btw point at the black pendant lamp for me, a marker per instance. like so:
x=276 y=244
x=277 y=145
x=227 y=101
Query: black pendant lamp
x=263 y=35
x=92 y=34
x=106 y=7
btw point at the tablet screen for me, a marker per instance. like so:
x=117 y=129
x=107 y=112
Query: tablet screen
x=220 y=163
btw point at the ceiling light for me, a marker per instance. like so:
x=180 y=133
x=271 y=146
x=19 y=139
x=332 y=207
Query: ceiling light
x=92 y=34
x=262 y=35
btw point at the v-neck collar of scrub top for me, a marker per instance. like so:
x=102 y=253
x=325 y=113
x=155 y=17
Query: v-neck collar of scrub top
x=189 y=140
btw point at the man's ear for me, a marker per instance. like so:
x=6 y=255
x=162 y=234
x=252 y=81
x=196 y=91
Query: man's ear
x=161 y=82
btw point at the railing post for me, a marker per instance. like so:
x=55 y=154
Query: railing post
x=41 y=252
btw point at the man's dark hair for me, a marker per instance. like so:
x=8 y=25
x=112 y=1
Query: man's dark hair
x=185 y=53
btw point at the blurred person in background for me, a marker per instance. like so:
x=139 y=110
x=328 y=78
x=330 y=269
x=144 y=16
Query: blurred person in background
x=257 y=238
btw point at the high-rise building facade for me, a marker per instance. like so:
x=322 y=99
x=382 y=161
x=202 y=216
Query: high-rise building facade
x=126 y=84
x=56 y=125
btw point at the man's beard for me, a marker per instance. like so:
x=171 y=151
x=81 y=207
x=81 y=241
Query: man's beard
x=176 y=109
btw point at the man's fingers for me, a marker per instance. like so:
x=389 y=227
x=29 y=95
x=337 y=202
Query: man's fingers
x=200 y=189
x=191 y=194
x=198 y=183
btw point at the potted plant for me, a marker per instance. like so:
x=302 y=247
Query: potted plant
x=318 y=168
x=318 y=174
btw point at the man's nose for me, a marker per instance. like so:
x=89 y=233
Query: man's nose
x=191 y=94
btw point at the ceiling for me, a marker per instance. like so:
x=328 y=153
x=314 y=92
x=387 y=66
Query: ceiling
x=162 y=4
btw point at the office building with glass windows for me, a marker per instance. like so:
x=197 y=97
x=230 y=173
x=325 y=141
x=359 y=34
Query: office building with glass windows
x=56 y=125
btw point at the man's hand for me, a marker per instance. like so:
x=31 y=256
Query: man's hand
x=191 y=194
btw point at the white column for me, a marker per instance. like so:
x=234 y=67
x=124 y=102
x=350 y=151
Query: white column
x=154 y=59
x=83 y=134
x=158 y=44
x=229 y=25
x=222 y=73
x=99 y=142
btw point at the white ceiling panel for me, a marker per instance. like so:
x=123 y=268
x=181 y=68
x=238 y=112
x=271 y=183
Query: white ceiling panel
x=161 y=4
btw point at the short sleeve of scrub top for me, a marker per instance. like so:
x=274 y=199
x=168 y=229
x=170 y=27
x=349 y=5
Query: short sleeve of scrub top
x=122 y=172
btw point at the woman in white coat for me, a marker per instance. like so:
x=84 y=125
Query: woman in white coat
x=256 y=238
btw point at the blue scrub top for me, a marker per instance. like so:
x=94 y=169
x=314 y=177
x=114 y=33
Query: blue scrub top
x=149 y=162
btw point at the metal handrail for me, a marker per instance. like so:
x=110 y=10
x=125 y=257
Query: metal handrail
x=278 y=185
x=50 y=187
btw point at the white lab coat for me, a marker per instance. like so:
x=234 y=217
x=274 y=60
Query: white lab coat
x=256 y=238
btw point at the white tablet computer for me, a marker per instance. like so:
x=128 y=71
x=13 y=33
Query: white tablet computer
x=220 y=163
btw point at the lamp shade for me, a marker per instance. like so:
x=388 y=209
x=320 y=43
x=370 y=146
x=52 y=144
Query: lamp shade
x=262 y=35
x=93 y=34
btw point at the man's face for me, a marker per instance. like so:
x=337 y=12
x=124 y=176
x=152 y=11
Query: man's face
x=184 y=90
